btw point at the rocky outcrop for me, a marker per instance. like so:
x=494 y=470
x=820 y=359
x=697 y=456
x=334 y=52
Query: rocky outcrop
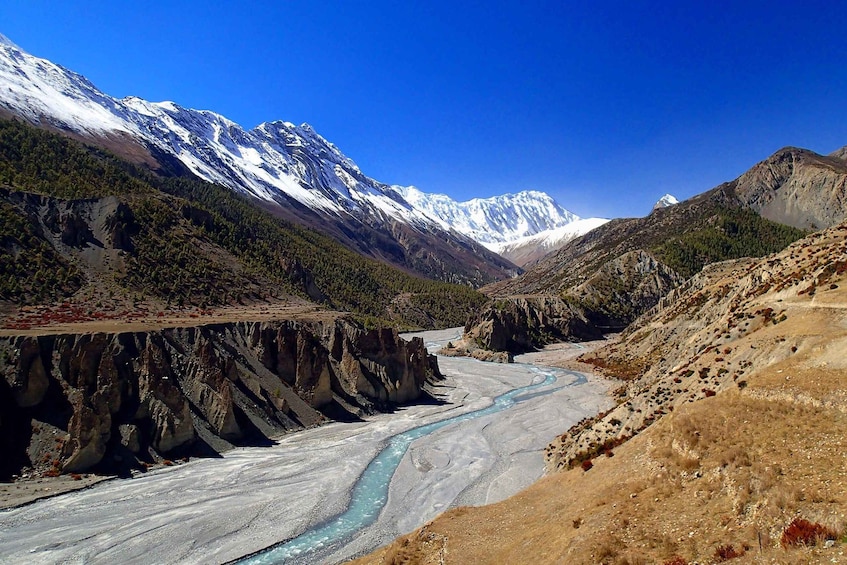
x=467 y=348
x=623 y=289
x=797 y=187
x=519 y=325
x=608 y=301
x=114 y=400
x=711 y=334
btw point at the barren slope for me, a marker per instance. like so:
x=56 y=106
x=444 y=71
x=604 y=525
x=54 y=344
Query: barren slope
x=738 y=403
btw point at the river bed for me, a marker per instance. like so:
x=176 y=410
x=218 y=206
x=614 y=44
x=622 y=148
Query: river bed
x=218 y=510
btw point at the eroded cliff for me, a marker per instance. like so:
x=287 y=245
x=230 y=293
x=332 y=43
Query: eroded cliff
x=71 y=403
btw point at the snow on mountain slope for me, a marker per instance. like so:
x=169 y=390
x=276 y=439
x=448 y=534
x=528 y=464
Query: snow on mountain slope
x=665 y=201
x=42 y=92
x=275 y=162
x=492 y=220
x=269 y=161
x=528 y=249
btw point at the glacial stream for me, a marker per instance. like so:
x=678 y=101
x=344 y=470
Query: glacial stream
x=370 y=492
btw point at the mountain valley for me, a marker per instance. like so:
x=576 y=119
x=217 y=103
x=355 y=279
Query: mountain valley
x=179 y=295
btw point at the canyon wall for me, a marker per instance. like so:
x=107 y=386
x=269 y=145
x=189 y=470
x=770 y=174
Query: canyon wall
x=71 y=403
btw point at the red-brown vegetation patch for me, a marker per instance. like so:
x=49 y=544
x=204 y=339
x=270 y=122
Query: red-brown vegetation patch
x=803 y=532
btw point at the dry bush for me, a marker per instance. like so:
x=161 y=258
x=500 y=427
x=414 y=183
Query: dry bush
x=726 y=552
x=803 y=532
x=403 y=553
x=607 y=549
x=735 y=455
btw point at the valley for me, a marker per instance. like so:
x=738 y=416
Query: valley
x=227 y=344
x=216 y=510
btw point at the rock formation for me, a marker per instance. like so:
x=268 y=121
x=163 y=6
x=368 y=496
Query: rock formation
x=796 y=187
x=73 y=402
x=522 y=324
x=607 y=301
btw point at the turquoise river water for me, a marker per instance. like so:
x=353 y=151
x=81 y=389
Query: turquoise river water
x=370 y=493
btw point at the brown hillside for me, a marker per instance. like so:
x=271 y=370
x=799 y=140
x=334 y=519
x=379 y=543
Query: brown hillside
x=621 y=269
x=738 y=409
x=796 y=187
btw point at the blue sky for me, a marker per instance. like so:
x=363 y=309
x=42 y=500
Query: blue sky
x=606 y=106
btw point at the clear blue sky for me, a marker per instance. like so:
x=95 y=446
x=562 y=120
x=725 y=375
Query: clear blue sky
x=606 y=108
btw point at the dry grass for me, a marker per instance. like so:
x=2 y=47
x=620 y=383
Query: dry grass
x=36 y=320
x=727 y=472
x=719 y=478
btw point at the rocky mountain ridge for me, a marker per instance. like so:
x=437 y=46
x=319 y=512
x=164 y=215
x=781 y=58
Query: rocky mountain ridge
x=113 y=402
x=796 y=187
x=289 y=169
x=528 y=250
x=492 y=221
x=760 y=212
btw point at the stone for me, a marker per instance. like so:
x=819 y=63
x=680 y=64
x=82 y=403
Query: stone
x=130 y=437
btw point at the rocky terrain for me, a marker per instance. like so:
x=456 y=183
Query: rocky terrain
x=520 y=324
x=708 y=335
x=797 y=187
x=615 y=294
x=621 y=269
x=118 y=401
x=726 y=441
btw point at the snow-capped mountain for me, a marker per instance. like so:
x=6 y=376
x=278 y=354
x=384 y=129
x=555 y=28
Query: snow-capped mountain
x=292 y=169
x=665 y=201
x=492 y=221
x=269 y=161
x=529 y=249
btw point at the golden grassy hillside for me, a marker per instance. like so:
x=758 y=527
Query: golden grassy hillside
x=736 y=402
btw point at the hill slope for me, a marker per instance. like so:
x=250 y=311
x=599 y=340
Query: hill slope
x=737 y=409
x=81 y=223
x=619 y=270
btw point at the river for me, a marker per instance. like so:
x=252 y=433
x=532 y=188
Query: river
x=335 y=491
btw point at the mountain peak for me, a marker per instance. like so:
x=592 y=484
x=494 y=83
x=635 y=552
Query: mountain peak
x=493 y=220
x=665 y=201
x=840 y=153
